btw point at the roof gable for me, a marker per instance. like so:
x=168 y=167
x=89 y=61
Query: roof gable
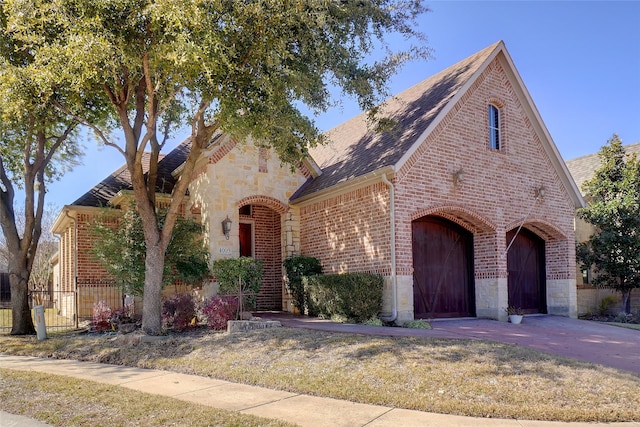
x=102 y=193
x=355 y=149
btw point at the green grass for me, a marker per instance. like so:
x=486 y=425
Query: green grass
x=64 y=401
x=462 y=377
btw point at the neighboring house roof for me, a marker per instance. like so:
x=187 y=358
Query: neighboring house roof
x=355 y=150
x=582 y=168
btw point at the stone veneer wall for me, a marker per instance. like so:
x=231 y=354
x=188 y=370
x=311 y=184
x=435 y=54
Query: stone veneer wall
x=236 y=175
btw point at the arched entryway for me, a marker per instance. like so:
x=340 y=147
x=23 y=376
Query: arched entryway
x=260 y=237
x=526 y=266
x=442 y=269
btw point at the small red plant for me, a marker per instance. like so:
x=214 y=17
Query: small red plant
x=179 y=312
x=220 y=309
x=101 y=320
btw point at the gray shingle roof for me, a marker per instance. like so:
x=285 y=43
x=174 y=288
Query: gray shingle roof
x=583 y=168
x=105 y=190
x=355 y=150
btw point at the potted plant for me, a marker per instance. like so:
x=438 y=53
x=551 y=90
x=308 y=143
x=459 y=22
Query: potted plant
x=515 y=314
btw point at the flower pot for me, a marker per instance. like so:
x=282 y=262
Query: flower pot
x=515 y=318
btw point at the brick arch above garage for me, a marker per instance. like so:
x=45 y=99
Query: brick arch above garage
x=460 y=215
x=541 y=227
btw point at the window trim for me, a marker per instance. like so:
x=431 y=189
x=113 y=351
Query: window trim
x=495 y=126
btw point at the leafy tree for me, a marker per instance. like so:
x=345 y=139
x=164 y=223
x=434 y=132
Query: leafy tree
x=37 y=144
x=121 y=251
x=614 y=209
x=42 y=269
x=242 y=67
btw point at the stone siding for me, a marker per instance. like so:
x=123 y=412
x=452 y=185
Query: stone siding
x=237 y=175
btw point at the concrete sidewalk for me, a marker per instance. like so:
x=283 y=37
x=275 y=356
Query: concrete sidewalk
x=296 y=408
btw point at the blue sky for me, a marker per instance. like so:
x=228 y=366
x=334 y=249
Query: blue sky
x=580 y=61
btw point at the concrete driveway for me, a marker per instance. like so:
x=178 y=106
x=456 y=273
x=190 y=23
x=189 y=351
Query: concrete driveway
x=589 y=341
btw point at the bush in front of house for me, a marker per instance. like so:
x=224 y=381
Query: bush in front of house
x=356 y=297
x=298 y=267
x=239 y=277
x=179 y=312
x=220 y=309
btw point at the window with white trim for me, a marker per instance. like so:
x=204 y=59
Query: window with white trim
x=494 y=127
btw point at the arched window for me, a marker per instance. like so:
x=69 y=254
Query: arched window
x=494 y=127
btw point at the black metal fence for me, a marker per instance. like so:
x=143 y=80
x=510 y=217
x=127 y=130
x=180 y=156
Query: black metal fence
x=64 y=310
x=59 y=312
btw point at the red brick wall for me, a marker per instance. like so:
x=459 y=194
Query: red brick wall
x=498 y=187
x=89 y=269
x=349 y=232
x=268 y=249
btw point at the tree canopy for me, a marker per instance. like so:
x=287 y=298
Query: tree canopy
x=613 y=196
x=38 y=142
x=242 y=67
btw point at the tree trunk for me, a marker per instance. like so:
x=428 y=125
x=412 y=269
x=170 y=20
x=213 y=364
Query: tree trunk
x=21 y=314
x=152 y=297
x=626 y=302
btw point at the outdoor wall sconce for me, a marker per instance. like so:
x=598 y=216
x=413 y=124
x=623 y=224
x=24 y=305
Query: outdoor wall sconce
x=226 y=227
x=539 y=193
x=458 y=177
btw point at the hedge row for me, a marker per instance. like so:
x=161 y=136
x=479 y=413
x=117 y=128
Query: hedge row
x=356 y=297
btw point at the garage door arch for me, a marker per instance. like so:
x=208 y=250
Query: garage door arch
x=526 y=271
x=443 y=284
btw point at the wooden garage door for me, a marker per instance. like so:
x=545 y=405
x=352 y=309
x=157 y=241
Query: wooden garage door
x=525 y=262
x=443 y=269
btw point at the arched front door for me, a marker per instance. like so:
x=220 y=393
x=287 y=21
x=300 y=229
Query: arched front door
x=442 y=269
x=525 y=263
x=260 y=237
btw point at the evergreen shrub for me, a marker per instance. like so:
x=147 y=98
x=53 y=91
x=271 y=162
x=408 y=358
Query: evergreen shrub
x=354 y=296
x=298 y=267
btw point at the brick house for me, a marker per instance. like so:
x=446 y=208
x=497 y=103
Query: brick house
x=463 y=205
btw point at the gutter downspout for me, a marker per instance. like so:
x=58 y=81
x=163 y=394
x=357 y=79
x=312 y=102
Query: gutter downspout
x=394 y=280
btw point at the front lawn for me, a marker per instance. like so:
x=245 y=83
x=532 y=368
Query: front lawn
x=463 y=377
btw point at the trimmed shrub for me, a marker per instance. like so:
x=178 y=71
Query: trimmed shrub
x=179 y=312
x=298 y=267
x=354 y=296
x=220 y=309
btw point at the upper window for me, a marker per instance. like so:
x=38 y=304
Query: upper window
x=494 y=127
